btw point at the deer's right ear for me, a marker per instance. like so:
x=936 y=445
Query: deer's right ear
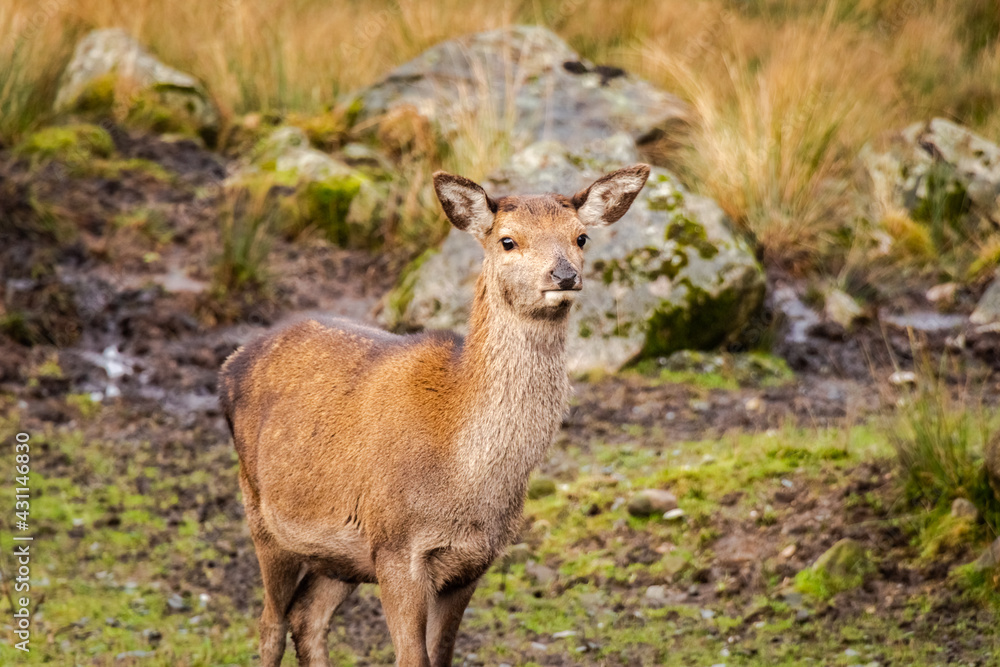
x=465 y=203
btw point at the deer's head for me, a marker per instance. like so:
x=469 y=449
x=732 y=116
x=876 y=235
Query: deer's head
x=534 y=244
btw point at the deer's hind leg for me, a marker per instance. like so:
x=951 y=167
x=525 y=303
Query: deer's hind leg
x=281 y=573
x=316 y=599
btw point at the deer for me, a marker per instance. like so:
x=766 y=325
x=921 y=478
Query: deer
x=403 y=460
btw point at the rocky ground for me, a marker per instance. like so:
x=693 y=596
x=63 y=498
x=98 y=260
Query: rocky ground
x=142 y=555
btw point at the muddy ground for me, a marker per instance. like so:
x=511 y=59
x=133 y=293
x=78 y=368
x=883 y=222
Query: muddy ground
x=113 y=371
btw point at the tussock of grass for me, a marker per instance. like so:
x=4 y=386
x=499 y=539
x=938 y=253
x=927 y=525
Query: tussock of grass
x=249 y=218
x=785 y=93
x=938 y=433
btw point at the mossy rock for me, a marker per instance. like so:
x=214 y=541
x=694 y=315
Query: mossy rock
x=670 y=275
x=540 y=487
x=327 y=205
x=843 y=567
x=113 y=76
x=74 y=144
x=397 y=301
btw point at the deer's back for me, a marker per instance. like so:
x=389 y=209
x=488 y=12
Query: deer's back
x=318 y=406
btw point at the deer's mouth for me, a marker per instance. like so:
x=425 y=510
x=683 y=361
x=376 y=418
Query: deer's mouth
x=557 y=296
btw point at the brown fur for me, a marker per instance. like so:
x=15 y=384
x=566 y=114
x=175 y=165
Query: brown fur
x=367 y=457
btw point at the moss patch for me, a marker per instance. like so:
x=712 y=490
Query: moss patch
x=161 y=108
x=398 y=300
x=74 y=144
x=327 y=203
x=842 y=567
x=705 y=322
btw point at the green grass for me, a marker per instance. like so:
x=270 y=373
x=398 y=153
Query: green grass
x=119 y=537
x=938 y=434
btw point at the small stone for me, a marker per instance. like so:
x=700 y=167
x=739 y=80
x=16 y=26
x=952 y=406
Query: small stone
x=541 y=574
x=841 y=308
x=851 y=653
x=990 y=558
x=539 y=487
x=539 y=646
x=788 y=551
x=903 y=378
x=563 y=634
x=707 y=614
x=176 y=602
x=651 y=501
x=657 y=592
x=753 y=404
x=942 y=294
x=125 y=655
x=962 y=508
x=674 y=514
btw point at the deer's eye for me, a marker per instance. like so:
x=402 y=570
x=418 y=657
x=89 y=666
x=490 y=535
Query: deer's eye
x=508 y=243
x=581 y=240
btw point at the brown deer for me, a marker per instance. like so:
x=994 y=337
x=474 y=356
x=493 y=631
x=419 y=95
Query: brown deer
x=369 y=457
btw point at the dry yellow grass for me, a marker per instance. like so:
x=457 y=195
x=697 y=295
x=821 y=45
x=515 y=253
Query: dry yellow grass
x=786 y=91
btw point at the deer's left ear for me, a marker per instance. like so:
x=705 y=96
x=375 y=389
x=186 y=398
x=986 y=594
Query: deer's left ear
x=610 y=196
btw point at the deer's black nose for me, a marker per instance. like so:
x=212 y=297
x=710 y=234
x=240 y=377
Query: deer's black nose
x=564 y=275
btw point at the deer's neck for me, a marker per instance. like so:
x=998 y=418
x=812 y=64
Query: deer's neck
x=516 y=388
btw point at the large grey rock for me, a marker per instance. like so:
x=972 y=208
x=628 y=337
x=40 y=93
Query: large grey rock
x=517 y=80
x=936 y=165
x=158 y=93
x=988 y=309
x=669 y=275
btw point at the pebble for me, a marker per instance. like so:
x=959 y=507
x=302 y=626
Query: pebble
x=945 y=292
x=962 y=508
x=903 y=377
x=563 y=634
x=542 y=574
x=674 y=514
x=788 y=551
x=125 y=655
x=539 y=646
x=656 y=592
x=648 y=502
x=176 y=602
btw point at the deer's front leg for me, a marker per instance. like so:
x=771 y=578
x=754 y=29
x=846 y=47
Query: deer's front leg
x=445 y=615
x=404 y=601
